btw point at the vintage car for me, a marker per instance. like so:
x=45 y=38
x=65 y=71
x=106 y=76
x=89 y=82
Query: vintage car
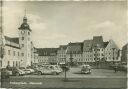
x=48 y=69
x=86 y=69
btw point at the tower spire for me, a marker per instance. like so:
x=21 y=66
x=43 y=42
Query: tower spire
x=25 y=12
x=25 y=17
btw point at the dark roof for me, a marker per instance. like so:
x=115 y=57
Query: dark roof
x=105 y=44
x=14 y=40
x=47 y=51
x=63 y=47
x=75 y=47
x=87 y=45
x=98 y=41
x=25 y=25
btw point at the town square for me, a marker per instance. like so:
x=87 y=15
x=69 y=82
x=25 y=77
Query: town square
x=63 y=45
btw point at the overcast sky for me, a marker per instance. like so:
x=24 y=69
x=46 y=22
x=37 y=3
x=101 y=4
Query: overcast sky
x=58 y=23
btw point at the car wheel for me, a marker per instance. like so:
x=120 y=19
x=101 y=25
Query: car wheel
x=40 y=73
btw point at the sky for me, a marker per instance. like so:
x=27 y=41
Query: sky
x=58 y=23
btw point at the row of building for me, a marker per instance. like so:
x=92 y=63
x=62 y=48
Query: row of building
x=20 y=51
x=88 y=51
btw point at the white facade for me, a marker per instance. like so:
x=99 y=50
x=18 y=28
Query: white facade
x=112 y=52
x=11 y=57
x=43 y=59
x=18 y=51
x=88 y=56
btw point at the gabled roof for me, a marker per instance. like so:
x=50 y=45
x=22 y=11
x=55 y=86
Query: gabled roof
x=111 y=44
x=47 y=51
x=75 y=47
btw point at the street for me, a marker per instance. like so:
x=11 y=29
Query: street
x=75 y=73
x=99 y=78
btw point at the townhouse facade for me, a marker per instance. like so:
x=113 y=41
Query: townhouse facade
x=61 y=54
x=74 y=53
x=87 y=51
x=91 y=51
x=112 y=52
x=47 y=56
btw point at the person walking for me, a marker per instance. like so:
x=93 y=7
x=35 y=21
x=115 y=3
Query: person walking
x=115 y=69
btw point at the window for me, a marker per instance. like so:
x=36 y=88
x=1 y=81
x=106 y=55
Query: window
x=22 y=38
x=22 y=45
x=13 y=63
x=16 y=63
x=22 y=54
x=9 y=52
x=13 y=53
x=28 y=33
x=18 y=53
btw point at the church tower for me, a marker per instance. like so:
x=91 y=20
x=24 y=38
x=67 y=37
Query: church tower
x=25 y=43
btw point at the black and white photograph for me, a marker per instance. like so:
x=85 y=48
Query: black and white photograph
x=63 y=44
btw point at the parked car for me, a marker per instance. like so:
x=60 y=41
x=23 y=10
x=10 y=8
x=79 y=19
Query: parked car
x=18 y=72
x=86 y=69
x=59 y=68
x=31 y=70
x=48 y=69
x=27 y=71
x=14 y=71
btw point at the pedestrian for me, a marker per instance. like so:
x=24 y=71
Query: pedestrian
x=115 y=69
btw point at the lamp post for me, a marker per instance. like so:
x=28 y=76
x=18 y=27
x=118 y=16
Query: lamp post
x=113 y=54
x=65 y=74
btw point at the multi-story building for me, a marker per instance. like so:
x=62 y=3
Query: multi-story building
x=87 y=51
x=47 y=55
x=74 y=53
x=25 y=43
x=98 y=48
x=17 y=50
x=61 y=54
x=12 y=56
x=124 y=57
x=112 y=52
